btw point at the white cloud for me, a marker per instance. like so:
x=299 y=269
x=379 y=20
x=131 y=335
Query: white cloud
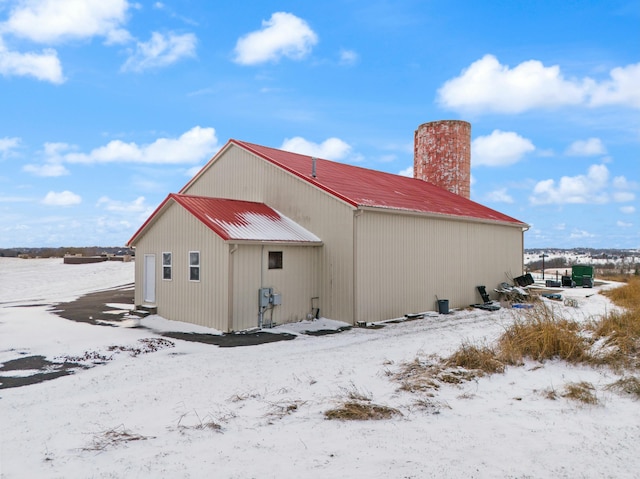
x=573 y=189
x=623 y=196
x=14 y=199
x=500 y=148
x=407 y=172
x=499 y=196
x=283 y=35
x=136 y=206
x=589 y=147
x=46 y=170
x=193 y=146
x=64 y=198
x=622 y=89
x=348 y=57
x=621 y=183
x=52 y=21
x=7 y=144
x=43 y=66
x=578 y=234
x=488 y=86
x=622 y=224
x=391 y=157
x=628 y=210
x=191 y=172
x=160 y=51
x=330 y=149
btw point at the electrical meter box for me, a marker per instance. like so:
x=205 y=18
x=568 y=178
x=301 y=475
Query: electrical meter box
x=264 y=297
x=276 y=299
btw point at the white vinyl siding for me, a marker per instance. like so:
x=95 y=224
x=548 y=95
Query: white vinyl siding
x=200 y=302
x=404 y=261
x=298 y=282
x=238 y=174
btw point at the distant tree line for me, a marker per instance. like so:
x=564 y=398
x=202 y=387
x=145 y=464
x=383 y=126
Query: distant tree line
x=62 y=251
x=624 y=267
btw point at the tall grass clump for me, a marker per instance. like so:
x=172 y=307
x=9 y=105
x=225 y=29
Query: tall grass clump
x=627 y=385
x=582 y=391
x=359 y=411
x=627 y=296
x=620 y=331
x=541 y=335
x=478 y=358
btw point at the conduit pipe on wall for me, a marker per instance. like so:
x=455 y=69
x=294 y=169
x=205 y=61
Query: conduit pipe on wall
x=232 y=249
x=356 y=214
x=260 y=312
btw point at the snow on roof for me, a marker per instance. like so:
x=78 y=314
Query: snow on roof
x=363 y=187
x=235 y=220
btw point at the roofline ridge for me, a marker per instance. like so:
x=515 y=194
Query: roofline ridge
x=322 y=186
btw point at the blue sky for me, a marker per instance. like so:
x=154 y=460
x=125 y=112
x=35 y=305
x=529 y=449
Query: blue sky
x=109 y=105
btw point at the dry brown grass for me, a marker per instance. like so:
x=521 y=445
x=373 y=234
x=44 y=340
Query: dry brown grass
x=540 y=335
x=361 y=411
x=481 y=359
x=620 y=331
x=629 y=385
x=113 y=437
x=466 y=364
x=583 y=392
x=419 y=375
x=627 y=296
x=613 y=276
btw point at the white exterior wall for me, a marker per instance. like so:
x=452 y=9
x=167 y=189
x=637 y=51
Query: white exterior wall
x=403 y=261
x=298 y=281
x=238 y=174
x=204 y=302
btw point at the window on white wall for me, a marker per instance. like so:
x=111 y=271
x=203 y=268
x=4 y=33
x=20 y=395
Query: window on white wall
x=194 y=265
x=275 y=259
x=167 y=265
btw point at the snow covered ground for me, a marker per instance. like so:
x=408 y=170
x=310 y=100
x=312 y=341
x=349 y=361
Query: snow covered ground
x=193 y=410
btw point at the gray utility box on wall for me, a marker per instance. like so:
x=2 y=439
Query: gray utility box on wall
x=268 y=298
x=264 y=298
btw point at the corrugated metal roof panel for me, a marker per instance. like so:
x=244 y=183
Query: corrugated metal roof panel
x=244 y=220
x=363 y=187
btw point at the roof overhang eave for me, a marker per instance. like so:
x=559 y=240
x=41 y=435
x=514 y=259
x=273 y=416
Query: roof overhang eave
x=274 y=242
x=426 y=214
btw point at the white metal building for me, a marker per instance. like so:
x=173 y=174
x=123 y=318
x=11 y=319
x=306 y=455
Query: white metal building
x=261 y=235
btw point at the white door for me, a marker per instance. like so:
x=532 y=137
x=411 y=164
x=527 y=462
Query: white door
x=149 y=285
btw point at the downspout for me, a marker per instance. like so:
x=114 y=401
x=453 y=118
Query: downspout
x=524 y=230
x=232 y=249
x=260 y=312
x=356 y=214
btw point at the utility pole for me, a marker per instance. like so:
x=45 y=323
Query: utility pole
x=543 y=256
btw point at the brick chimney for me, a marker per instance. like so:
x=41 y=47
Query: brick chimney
x=442 y=155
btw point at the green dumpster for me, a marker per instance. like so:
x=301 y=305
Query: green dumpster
x=580 y=271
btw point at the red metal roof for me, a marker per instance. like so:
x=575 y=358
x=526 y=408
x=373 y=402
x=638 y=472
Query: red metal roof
x=238 y=220
x=363 y=187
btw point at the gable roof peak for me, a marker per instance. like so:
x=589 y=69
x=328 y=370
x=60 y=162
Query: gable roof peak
x=364 y=187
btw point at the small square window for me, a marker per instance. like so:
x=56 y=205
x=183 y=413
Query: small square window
x=167 y=272
x=194 y=265
x=275 y=259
